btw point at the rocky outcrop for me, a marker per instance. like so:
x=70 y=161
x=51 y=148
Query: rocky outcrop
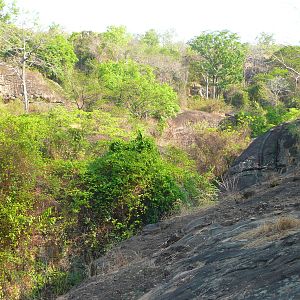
x=274 y=153
x=39 y=88
x=244 y=247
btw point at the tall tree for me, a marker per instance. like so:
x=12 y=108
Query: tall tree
x=55 y=55
x=258 y=56
x=222 y=57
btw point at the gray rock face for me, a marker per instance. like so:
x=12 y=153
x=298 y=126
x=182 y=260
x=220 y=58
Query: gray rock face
x=38 y=87
x=241 y=249
x=276 y=152
x=245 y=249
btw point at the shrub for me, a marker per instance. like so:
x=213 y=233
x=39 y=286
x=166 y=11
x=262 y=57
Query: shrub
x=208 y=105
x=134 y=86
x=259 y=123
x=214 y=149
x=236 y=97
x=131 y=185
x=258 y=92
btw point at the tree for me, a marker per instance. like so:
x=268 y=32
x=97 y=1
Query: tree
x=114 y=42
x=221 y=58
x=82 y=88
x=24 y=47
x=258 y=56
x=277 y=86
x=55 y=55
x=19 y=48
x=150 y=38
x=7 y=12
x=288 y=57
x=86 y=47
x=134 y=86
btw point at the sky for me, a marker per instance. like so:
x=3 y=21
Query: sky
x=188 y=18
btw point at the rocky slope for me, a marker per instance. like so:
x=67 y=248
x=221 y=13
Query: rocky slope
x=247 y=246
x=39 y=89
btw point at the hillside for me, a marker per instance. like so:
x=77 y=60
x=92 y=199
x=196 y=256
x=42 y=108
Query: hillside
x=39 y=88
x=123 y=170
x=245 y=247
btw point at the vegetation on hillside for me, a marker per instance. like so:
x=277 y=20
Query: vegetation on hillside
x=74 y=181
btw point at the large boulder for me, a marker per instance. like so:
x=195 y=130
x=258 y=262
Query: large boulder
x=276 y=152
x=39 y=88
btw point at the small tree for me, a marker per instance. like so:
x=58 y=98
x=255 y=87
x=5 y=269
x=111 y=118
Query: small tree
x=289 y=58
x=82 y=88
x=221 y=58
x=24 y=47
x=134 y=86
x=18 y=48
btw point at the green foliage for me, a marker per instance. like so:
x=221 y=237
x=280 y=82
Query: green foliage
x=85 y=45
x=83 y=89
x=134 y=87
x=131 y=185
x=114 y=42
x=67 y=192
x=42 y=158
x=7 y=13
x=58 y=56
x=260 y=121
x=221 y=57
x=197 y=189
x=290 y=56
x=259 y=93
x=151 y=38
x=236 y=97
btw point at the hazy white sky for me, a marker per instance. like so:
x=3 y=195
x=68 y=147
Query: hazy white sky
x=187 y=17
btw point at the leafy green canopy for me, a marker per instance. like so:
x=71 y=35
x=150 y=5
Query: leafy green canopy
x=221 y=56
x=134 y=86
x=57 y=56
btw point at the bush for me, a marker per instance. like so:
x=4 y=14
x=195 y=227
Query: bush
x=258 y=92
x=67 y=192
x=131 y=185
x=214 y=150
x=43 y=160
x=260 y=121
x=208 y=105
x=236 y=97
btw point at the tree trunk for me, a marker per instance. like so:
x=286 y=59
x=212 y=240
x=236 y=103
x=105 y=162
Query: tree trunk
x=214 y=87
x=207 y=86
x=24 y=86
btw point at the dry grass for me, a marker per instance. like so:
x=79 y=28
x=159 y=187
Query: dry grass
x=215 y=150
x=208 y=105
x=270 y=231
x=280 y=226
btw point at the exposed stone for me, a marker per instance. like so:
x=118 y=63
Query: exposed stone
x=235 y=250
x=274 y=153
x=38 y=87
